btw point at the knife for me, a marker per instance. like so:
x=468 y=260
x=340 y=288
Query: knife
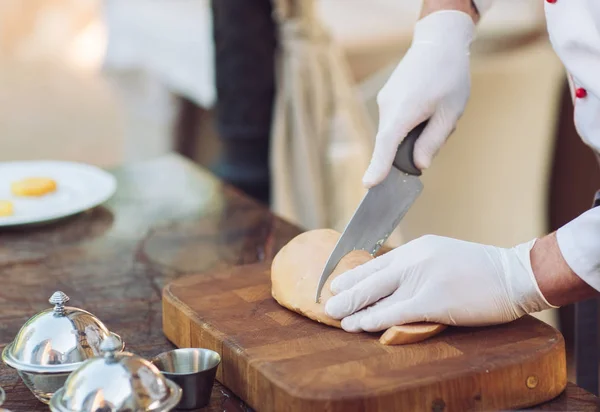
x=381 y=209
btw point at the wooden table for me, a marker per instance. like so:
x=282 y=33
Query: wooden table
x=168 y=219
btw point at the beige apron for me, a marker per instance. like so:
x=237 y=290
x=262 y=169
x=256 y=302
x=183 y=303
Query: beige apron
x=322 y=136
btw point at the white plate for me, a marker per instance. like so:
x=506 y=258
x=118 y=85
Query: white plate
x=79 y=187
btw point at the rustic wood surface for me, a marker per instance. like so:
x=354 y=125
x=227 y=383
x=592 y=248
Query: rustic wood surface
x=168 y=219
x=277 y=360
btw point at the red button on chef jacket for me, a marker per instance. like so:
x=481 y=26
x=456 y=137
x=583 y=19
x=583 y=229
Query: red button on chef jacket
x=551 y=1
x=580 y=93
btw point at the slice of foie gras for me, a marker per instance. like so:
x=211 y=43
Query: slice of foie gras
x=295 y=273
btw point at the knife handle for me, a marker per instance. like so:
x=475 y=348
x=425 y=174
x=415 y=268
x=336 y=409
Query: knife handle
x=404 y=160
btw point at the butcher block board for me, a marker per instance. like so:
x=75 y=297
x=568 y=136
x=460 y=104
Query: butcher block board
x=279 y=361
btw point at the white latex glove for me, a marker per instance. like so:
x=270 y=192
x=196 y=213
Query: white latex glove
x=441 y=280
x=431 y=82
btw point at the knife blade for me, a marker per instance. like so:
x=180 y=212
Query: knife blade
x=381 y=209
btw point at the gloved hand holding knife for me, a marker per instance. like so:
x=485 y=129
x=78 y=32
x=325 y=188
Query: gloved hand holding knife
x=439 y=279
x=432 y=82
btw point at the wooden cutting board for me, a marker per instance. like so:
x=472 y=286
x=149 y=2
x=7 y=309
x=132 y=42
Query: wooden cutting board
x=279 y=361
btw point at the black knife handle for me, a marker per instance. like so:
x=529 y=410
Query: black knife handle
x=404 y=160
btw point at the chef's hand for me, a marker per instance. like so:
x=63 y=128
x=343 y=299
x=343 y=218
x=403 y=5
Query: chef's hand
x=431 y=82
x=441 y=280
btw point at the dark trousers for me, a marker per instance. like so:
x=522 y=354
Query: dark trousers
x=245 y=46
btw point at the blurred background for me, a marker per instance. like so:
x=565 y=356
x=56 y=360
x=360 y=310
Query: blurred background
x=108 y=82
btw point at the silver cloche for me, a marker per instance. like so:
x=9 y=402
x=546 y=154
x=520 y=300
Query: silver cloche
x=116 y=382
x=53 y=343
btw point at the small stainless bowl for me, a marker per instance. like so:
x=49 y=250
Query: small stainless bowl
x=116 y=382
x=193 y=369
x=54 y=343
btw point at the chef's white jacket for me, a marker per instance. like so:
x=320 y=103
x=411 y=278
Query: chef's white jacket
x=574 y=30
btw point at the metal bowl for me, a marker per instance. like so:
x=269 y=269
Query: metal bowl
x=54 y=343
x=194 y=369
x=116 y=382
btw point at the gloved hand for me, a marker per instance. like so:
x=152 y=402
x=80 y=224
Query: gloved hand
x=431 y=82
x=441 y=280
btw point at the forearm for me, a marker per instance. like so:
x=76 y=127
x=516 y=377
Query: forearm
x=557 y=281
x=466 y=6
x=566 y=264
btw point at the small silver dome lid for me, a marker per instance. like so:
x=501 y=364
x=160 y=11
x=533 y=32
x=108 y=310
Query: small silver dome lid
x=116 y=382
x=56 y=339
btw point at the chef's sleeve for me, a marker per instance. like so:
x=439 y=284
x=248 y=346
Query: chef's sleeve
x=579 y=242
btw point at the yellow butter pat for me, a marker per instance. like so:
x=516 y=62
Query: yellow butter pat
x=33 y=186
x=6 y=208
